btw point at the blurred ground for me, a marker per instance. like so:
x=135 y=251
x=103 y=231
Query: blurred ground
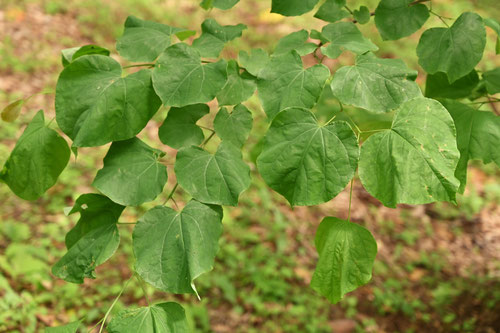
x=438 y=266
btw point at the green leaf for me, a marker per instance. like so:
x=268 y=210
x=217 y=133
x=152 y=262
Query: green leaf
x=132 y=173
x=214 y=36
x=96 y=105
x=285 y=83
x=292 y=7
x=414 y=161
x=234 y=127
x=345 y=35
x=362 y=15
x=95 y=211
x=295 y=41
x=455 y=50
x=221 y=4
x=168 y=317
x=254 y=62
x=12 y=111
x=346 y=255
x=39 y=157
x=437 y=86
x=172 y=248
x=492 y=81
x=374 y=84
x=396 y=19
x=332 y=11
x=214 y=179
x=93 y=244
x=239 y=86
x=478 y=135
x=144 y=40
x=180 y=78
x=307 y=163
x=68 y=328
x=495 y=25
x=185 y=34
x=179 y=128
x=69 y=55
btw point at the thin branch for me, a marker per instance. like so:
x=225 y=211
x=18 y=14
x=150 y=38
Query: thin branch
x=114 y=303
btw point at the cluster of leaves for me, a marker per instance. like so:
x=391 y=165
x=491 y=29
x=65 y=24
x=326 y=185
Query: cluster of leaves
x=421 y=158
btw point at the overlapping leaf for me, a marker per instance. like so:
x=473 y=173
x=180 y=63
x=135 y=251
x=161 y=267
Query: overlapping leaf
x=233 y=127
x=179 y=128
x=92 y=241
x=492 y=81
x=39 y=157
x=214 y=179
x=96 y=105
x=345 y=36
x=285 y=83
x=437 y=86
x=292 y=7
x=332 y=11
x=254 y=61
x=307 y=163
x=239 y=86
x=478 y=137
x=396 y=19
x=374 y=84
x=132 y=173
x=181 y=79
x=362 y=15
x=295 y=41
x=455 y=50
x=174 y=248
x=144 y=40
x=168 y=317
x=68 y=55
x=214 y=36
x=414 y=161
x=346 y=255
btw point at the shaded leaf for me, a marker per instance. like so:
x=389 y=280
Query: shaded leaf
x=37 y=160
x=173 y=248
x=214 y=36
x=285 y=83
x=68 y=328
x=180 y=78
x=132 y=173
x=346 y=255
x=414 y=161
x=96 y=105
x=220 y=4
x=396 y=19
x=374 y=84
x=292 y=7
x=179 y=128
x=362 y=15
x=455 y=50
x=437 y=85
x=95 y=211
x=478 y=135
x=495 y=25
x=307 y=163
x=332 y=11
x=492 y=81
x=345 y=36
x=239 y=86
x=295 y=41
x=144 y=40
x=233 y=127
x=213 y=179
